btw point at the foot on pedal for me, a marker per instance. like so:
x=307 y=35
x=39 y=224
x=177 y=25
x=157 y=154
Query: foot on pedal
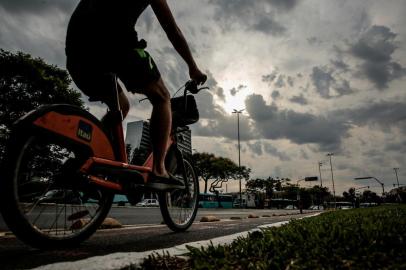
x=165 y=183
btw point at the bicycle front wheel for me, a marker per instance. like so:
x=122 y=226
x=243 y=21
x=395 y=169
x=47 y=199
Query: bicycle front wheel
x=44 y=200
x=179 y=207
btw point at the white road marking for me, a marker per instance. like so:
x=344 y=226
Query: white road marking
x=120 y=260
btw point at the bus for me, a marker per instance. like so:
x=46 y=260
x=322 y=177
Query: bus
x=279 y=203
x=340 y=205
x=209 y=200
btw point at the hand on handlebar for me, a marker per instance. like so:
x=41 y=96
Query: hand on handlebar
x=197 y=76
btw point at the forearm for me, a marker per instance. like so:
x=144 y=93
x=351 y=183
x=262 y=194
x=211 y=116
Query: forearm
x=180 y=44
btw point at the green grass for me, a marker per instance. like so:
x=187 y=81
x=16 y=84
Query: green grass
x=371 y=238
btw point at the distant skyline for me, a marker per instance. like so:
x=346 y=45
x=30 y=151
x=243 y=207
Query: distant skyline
x=313 y=76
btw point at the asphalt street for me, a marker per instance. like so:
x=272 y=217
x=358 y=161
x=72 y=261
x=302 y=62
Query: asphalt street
x=139 y=237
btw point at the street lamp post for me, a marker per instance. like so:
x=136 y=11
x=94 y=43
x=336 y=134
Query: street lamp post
x=396 y=172
x=332 y=179
x=239 y=155
x=377 y=180
x=321 y=181
x=321 y=184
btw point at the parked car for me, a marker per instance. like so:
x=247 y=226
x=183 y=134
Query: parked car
x=148 y=202
x=316 y=207
x=290 y=207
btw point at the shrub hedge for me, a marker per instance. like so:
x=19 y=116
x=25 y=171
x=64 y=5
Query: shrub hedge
x=372 y=238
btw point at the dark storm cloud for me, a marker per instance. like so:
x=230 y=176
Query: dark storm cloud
x=299 y=100
x=300 y=128
x=396 y=147
x=275 y=94
x=268 y=25
x=384 y=115
x=22 y=25
x=327 y=132
x=280 y=82
x=322 y=79
x=285 y=5
x=273 y=151
x=208 y=109
x=259 y=147
x=220 y=93
x=327 y=86
x=344 y=88
x=215 y=121
x=37 y=6
x=314 y=41
x=255 y=147
x=340 y=64
x=235 y=90
x=375 y=48
x=269 y=78
x=225 y=125
x=251 y=15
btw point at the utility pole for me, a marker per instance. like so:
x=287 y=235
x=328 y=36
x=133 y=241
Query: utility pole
x=396 y=172
x=321 y=184
x=332 y=179
x=321 y=181
x=239 y=155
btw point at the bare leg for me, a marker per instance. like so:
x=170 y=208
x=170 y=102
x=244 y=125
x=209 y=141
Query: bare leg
x=161 y=121
x=124 y=106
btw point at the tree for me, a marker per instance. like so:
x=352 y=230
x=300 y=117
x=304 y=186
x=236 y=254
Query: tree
x=350 y=195
x=25 y=84
x=370 y=197
x=263 y=188
x=203 y=163
x=218 y=169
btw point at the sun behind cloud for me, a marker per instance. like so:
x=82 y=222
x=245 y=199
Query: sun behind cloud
x=234 y=96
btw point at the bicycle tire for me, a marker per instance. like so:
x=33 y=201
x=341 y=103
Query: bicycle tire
x=170 y=204
x=15 y=204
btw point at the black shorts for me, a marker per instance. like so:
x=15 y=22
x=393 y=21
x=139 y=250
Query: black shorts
x=134 y=67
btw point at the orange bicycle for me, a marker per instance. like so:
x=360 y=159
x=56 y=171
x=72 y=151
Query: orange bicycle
x=63 y=169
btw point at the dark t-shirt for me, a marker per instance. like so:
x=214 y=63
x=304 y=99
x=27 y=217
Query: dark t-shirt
x=103 y=25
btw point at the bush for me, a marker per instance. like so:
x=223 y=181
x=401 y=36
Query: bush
x=348 y=239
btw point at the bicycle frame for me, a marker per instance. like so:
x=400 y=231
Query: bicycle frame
x=109 y=154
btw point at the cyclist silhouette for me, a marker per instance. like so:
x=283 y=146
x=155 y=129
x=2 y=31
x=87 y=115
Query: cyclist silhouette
x=101 y=39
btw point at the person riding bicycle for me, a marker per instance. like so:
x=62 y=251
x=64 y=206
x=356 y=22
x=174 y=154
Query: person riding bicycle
x=101 y=39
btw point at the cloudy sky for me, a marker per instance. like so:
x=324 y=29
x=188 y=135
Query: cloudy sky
x=314 y=76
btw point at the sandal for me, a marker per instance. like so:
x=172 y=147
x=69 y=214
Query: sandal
x=164 y=183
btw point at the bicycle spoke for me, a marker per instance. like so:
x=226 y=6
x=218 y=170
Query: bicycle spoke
x=45 y=194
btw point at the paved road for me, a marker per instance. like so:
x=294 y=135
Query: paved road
x=15 y=255
x=152 y=215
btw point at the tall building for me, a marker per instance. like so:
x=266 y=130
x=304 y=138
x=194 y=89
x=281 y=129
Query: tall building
x=138 y=142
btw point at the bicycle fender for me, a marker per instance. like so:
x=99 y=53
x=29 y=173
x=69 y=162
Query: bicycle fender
x=71 y=123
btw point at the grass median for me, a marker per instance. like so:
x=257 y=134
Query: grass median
x=372 y=238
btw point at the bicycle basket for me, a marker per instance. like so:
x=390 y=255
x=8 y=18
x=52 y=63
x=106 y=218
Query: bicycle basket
x=184 y=115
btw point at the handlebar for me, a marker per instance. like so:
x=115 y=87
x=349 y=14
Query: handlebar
x=193 y=88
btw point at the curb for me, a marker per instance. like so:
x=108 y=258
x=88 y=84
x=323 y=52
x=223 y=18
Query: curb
x=209 y=219
x=122 y=260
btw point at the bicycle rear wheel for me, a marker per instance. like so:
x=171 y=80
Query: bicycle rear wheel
x=179 y=207
x=44 y=200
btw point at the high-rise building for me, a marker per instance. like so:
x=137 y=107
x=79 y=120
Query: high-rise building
x=139 y=146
